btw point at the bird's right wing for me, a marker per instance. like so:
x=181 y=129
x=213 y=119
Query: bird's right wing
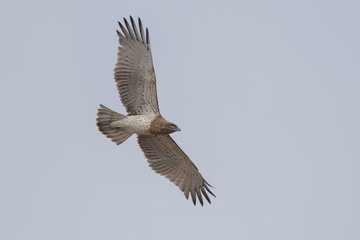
x=134 y=72
x=166 y=158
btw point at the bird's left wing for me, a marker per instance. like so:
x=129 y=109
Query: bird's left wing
x=134 y=71
x=166 y=158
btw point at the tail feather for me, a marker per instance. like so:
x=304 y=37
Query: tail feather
x=107 y=116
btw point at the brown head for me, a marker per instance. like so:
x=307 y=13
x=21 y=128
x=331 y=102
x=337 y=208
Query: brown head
x=161 y=126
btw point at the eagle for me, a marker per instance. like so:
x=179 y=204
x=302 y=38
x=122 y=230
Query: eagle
x=136 y=83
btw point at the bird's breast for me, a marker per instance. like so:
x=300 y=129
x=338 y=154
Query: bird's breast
x=138 y=124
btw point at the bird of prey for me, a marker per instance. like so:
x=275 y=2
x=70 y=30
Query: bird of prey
x=136 y=82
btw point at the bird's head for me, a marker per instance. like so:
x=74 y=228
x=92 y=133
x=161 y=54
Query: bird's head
x=172 y=127
x=161 y=126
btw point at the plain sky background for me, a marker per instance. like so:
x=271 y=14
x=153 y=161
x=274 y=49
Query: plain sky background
x=266 y=94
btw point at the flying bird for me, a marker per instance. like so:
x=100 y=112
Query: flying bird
x=136 y=82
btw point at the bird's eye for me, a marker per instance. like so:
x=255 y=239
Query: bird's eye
x=172 y=126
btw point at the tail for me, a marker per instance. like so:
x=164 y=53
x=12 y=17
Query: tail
x=107 y=116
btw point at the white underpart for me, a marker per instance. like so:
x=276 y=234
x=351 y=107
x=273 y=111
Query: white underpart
x=138 y=124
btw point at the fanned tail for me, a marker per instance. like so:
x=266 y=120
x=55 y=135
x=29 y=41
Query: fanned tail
x=107 y=116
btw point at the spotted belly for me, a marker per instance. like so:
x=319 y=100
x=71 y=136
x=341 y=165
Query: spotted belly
x=138 y=124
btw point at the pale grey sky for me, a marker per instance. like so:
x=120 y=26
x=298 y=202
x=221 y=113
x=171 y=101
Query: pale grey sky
x=281 y=78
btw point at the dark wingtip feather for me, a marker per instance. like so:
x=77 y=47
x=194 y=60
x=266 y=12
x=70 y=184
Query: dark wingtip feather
x=207 y=188
x=141 y=31
x=123 y=29
x=119 y=24
x=193 y=196
x=130 y=31
x=200 y=197
x=208 y=184
x=205 y=195
x=136 y=32
x=186 y=195
x=147 y=36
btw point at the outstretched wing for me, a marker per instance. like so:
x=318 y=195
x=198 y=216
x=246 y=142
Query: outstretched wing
x=166 y=158
x=134 y=71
